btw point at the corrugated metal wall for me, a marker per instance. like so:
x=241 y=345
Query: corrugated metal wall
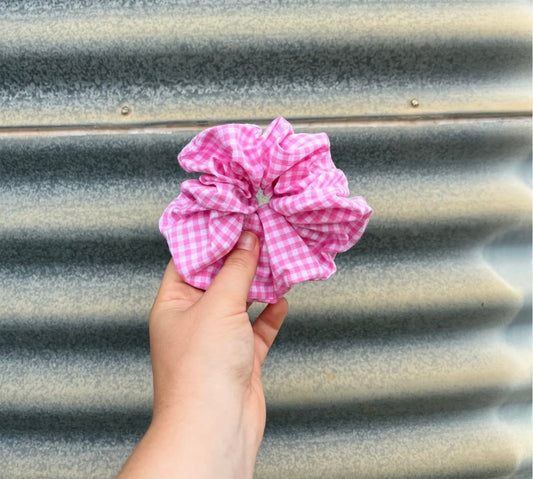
x=413 y=361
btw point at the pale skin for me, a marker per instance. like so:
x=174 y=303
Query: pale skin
x=209 y=407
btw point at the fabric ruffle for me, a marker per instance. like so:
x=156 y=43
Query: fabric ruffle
x=308 y=220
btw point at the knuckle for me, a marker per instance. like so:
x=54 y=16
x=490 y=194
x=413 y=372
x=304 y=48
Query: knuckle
x=238 y=261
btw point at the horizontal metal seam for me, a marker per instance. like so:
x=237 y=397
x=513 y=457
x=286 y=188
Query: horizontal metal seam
x=168 y=127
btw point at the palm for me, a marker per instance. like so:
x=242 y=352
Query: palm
x=243 y=345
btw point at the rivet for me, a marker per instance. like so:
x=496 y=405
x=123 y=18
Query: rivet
x=125 y=110
x=414 y=103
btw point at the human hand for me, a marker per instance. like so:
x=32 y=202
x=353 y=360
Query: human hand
x=209 y=407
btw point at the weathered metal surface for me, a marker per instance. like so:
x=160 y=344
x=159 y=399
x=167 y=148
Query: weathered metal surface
x=413 y=361
x=183 y=61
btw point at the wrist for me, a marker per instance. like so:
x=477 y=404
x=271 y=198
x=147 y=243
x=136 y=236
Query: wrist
x=203 y=448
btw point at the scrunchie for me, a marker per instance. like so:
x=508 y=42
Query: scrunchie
x=308 y=220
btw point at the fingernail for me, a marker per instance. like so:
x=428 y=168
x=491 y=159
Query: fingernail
x=246 y=241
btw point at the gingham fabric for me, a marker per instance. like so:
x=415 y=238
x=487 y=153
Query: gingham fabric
x=308 y=219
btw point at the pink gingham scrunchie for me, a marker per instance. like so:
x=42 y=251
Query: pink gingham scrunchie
x=308 y=220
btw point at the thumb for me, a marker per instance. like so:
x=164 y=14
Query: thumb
x=229 y=290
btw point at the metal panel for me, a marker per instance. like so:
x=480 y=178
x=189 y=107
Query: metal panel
x=178 y=61
x=413 y=361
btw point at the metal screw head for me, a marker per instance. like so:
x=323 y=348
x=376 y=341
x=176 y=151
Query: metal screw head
x=414 y=103
x=125 y=110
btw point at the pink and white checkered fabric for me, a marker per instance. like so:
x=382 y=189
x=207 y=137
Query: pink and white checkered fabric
x=308 y=219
